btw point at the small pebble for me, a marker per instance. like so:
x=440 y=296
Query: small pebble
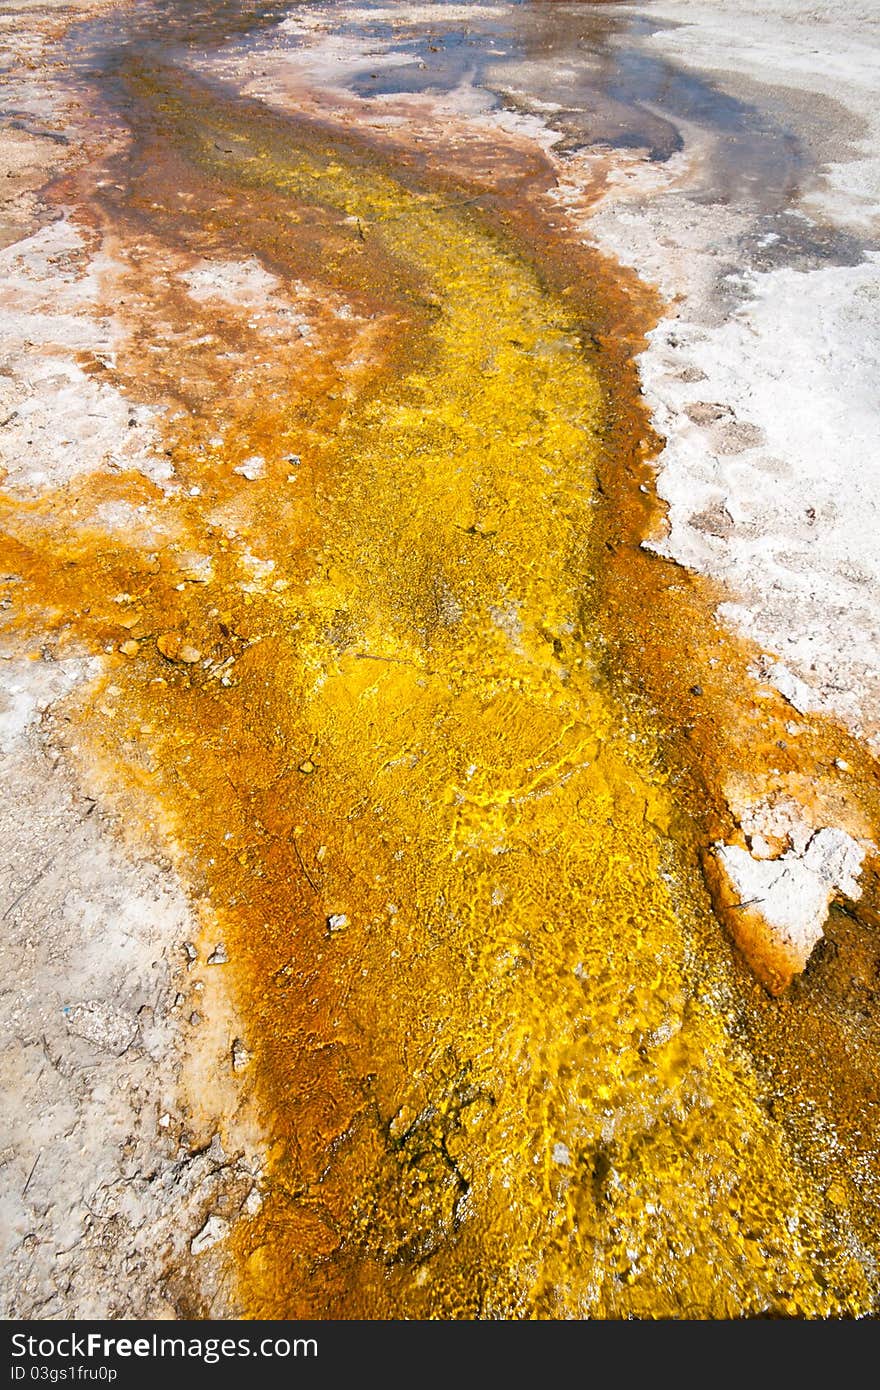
x=252 y=468
x=173 y=648
x=219 y=956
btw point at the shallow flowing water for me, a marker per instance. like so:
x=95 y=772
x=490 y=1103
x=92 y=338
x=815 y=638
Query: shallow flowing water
x=505 y=1061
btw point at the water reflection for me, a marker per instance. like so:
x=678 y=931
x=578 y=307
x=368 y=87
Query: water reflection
x=584 y=68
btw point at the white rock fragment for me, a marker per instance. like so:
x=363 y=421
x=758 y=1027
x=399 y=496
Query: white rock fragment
x=561 y=1154
x=240 y=1055
x=336 y=922
x=257 y=567
x=219 y=956
x=776 y=908
x=252 y=1202
x=252 y=468
x=214 y=1230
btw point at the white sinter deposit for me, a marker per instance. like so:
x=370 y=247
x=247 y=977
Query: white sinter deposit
x=60 y=420
x=764 y=378
x=763 y=382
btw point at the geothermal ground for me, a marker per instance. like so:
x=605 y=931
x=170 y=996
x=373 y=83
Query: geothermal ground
x=441 y=660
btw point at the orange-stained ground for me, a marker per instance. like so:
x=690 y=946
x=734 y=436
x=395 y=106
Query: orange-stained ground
x=417 y=716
